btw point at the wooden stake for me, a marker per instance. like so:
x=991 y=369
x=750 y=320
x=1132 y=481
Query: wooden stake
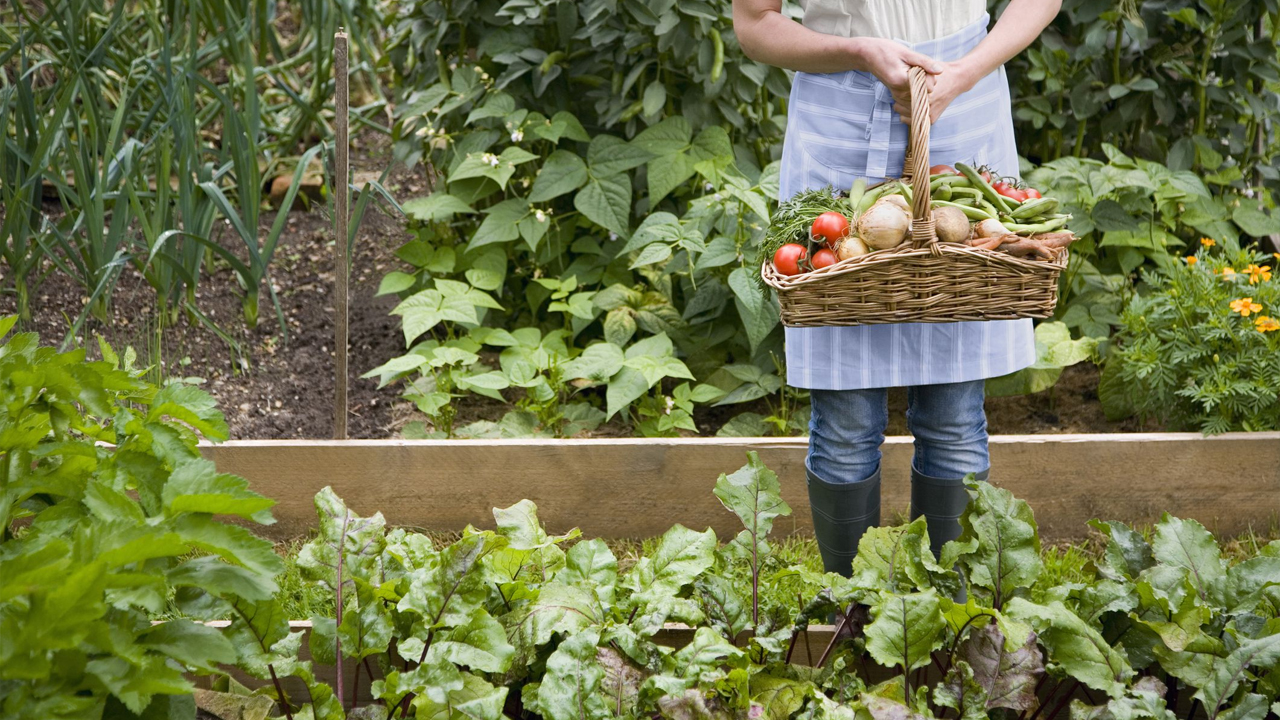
x=342 y=219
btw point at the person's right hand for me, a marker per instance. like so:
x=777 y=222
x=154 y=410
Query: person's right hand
x=890 y=61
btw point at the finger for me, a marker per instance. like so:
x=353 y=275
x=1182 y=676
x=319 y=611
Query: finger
x=920 y=60
x=903 y=111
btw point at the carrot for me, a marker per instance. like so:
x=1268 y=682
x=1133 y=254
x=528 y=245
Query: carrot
x=1055 y=240
x=1027 y=246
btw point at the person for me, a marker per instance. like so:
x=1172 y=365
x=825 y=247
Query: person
x=844 y=122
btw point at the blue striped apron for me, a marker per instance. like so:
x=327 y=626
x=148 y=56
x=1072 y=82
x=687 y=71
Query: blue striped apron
x=841 y=127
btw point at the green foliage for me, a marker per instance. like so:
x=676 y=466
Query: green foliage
x=518 y=620
x=1191 y=83
x=107 y=518
x=609 y=198
x=1055 y=350
x=1131 y=213
x=1188 y=357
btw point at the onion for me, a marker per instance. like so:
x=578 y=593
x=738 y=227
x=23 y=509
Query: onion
x=898 y=200
x=990 y=228
x=950 y=224
x=884 y=224
x=851 y=247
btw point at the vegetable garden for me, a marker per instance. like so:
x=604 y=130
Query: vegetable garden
x=559 y=216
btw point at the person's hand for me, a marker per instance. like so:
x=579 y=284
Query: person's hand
x=944 y=88
x=890 y=61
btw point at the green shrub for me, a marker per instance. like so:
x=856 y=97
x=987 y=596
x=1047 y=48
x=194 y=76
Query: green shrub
x=1193 y=83
x=604 y=201
x=107 y=519
x=1200 y=347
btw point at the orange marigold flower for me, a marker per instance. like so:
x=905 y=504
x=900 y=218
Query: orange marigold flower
x=1258 y=273
x=1266 y=324
x=1227 y=273
x=1245 y=306
x=1192 y=259
x=1208 y=242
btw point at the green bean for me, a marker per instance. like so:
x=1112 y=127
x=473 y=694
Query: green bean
x=988 y=192
x=1043 y=227
x=1034 y=208
x=970 y=212
x=856 y=192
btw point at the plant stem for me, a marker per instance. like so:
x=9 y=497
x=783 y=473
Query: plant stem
x=1066 y=698
x=284 y=702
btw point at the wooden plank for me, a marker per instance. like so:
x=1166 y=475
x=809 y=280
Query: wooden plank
x=628 y=488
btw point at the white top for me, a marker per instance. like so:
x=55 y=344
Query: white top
x=909 y=21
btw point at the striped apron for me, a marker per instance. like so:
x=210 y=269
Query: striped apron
x=841 y=127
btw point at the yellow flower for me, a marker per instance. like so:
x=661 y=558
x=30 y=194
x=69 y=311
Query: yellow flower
x=1192 y=259
x=1245 y=306
x=1258 y=273
x=1266 y=324
x=1227 y=273
x=1208 y=242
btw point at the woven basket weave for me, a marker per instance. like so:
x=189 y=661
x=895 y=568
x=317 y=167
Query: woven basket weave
x=924 y=280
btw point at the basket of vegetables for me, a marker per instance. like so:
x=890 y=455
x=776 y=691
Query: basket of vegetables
x=942 y=244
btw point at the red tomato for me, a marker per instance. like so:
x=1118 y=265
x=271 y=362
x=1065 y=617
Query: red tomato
x=823 y=258
x=787 y=259
x=830 y=226
x=942 y=170
x=1009 y=191
x=986 y=176
x=1032 y=193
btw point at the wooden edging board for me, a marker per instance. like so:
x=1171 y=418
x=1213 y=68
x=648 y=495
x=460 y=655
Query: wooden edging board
x=634 y=488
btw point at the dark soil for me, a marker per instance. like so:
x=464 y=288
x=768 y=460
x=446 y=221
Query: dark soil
x=272 y=388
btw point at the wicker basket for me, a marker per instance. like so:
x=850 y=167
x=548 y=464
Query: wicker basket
x=924 y=280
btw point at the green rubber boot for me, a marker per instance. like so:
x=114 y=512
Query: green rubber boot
x=842 y=512
x=942 y=501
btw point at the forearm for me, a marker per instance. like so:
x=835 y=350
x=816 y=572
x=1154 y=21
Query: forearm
x=768 y=36
x=1019 y=25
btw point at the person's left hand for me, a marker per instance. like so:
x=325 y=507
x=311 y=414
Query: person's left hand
x=944 y=87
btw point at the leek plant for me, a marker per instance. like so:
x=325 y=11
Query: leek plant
x=149 y=122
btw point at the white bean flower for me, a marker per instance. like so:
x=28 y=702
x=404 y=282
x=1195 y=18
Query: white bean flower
x=517 y=136
x=491 y=159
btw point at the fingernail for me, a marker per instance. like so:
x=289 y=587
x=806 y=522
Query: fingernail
x=937 y=68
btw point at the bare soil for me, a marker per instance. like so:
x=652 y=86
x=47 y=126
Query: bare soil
x=270 y=387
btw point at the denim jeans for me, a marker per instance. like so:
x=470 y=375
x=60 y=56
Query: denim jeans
x=847 y=427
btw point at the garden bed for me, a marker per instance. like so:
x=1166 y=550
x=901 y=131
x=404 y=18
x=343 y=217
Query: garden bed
x=635 y=488
x=273 y=389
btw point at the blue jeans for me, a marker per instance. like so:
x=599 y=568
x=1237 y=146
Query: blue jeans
x=847 y=427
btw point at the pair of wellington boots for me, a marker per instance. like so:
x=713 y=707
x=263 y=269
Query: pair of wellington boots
x=842 y=512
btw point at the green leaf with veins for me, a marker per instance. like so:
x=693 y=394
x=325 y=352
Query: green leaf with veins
x=754 y=494
x=905 y=629
x=1187 y=544
x=570 y=688
x=1075 y=646
x=562 y=172
x=1001 y=531
x=606 y=201
x=962 y=693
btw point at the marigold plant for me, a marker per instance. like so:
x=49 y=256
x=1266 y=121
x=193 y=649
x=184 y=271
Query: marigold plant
x=1199 y=348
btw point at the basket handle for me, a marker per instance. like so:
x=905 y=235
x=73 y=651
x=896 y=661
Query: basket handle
x=916 y=166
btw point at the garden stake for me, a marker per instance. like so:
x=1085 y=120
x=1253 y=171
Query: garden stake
x=341 y=177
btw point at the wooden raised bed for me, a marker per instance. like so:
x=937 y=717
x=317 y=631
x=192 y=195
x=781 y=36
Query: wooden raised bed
x=631 y=488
